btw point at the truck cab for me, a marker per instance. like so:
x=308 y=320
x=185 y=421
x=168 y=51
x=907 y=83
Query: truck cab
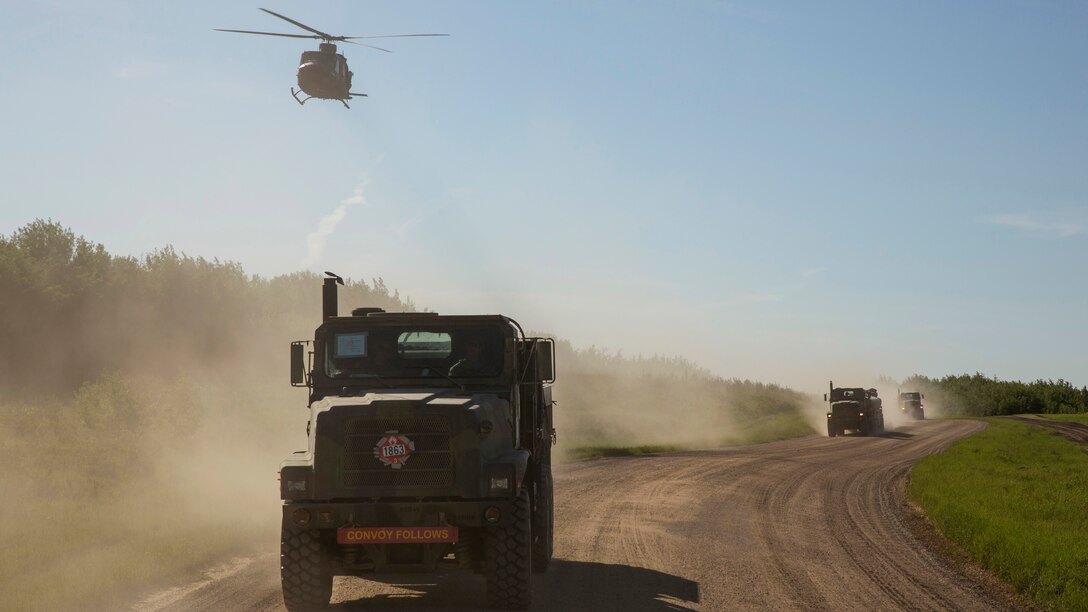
x=853 y=408
x=910 y=404
x=429 y=446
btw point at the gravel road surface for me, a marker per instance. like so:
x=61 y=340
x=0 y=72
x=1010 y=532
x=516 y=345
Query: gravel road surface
x=805 y=524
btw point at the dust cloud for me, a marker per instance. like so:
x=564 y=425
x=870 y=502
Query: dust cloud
x=608 y=400
x=157 y=466
x=595 y=409
x=148 y=407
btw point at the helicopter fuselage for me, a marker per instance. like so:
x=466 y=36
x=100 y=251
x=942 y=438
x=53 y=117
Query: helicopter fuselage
x=324 y=74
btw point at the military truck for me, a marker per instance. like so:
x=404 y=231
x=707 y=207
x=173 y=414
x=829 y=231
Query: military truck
x=910 y=404
x=853 y=408
x=430 y=440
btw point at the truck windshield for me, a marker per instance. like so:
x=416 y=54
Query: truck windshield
x=847 y=394
x=414 y=352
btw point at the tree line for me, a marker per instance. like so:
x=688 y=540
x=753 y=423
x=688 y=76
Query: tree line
x=70 y=310
x=979 y=395
x=114 y=332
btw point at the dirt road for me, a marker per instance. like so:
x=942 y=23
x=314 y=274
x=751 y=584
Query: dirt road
x=806 y=524
x=1074 y=432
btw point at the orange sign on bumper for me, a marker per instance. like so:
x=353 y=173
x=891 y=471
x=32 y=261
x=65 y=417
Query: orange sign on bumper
x=396 y=535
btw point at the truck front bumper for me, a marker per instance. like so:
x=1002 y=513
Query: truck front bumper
x=459 y=513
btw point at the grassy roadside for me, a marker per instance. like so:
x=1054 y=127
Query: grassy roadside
x=588 y=452
x=1015 y=497
x=1070 y=418
x=758 y=429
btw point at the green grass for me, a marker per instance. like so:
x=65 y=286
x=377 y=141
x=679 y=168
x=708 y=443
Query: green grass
x=587 y=452
x=1015 y=497
x=1071 y=418
x=759 y=429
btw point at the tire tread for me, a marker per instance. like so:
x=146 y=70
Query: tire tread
x=509 y=559
x=305 y=582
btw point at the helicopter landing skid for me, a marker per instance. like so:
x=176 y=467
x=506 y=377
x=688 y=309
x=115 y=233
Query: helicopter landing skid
x=350 y=96
x=302 y=102
x=294 y=94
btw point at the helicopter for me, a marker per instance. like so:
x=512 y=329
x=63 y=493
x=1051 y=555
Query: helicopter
x=324 y=74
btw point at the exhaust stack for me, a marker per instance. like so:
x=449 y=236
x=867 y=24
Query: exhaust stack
x=329 y=297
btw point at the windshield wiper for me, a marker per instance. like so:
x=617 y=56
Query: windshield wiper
x=427 y=368
x=377 y=377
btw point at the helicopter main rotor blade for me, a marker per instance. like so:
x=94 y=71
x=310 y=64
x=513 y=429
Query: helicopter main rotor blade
x=352 y=42
x=269 y=33
x=390 y=36
x=302 y=25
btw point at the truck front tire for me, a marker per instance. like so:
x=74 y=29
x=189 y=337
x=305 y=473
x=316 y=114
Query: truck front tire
x=543 y=523
x=306 y=582
x=508 y=558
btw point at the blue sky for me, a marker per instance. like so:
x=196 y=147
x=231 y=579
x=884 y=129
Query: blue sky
x=785 y=191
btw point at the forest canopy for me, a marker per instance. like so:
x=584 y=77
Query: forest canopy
x=979 y=395
x=69 y=310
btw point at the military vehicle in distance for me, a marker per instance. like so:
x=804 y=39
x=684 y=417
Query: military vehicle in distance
x=853 y=408
x=910 y=403
x=430 y=443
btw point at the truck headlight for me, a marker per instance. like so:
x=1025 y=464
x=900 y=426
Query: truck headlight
x=296 y=482
x=500 y=480
x=301 y=517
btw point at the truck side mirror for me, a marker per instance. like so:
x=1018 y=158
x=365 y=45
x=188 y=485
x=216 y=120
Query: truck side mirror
x=298 y=364
x=825 y=397
x=545 y=360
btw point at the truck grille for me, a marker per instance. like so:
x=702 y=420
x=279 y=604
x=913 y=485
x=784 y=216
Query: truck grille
x=429 y=465
x=846 y=409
